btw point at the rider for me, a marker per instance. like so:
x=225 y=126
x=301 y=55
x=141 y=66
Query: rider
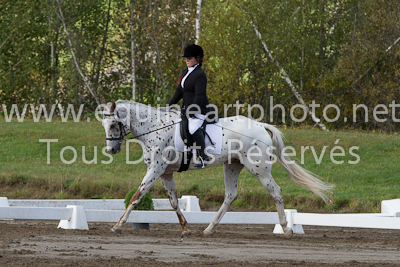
x=192 y=89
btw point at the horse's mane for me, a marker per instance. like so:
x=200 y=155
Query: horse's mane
x=163 y=109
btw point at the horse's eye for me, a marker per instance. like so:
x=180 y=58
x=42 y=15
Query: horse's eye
x=112 y=126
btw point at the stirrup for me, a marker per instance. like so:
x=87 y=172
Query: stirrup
x=202 y=163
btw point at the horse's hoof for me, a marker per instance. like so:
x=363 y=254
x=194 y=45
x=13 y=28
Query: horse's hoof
x=207 y=233
x=289 y=233
x=116 y=230
x=186 y=233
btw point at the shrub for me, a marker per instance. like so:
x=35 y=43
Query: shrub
x=146 y=203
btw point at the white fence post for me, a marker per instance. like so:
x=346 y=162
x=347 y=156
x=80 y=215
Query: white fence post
x=391 y=207
x=4 y=203
x=296 y=228
x=77 y=220
x=192 y=203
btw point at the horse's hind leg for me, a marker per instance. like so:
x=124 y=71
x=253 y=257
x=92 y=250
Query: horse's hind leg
x=170 y=187
x=276 y=194
x=231 y=174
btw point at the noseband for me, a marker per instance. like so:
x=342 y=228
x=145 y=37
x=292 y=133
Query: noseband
x=121 y=130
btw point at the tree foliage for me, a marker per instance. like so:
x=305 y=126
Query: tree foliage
x=335 y=52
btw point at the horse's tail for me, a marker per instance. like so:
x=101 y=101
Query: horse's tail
x=298 y=174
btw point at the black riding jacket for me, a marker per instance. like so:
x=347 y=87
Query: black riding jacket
x=194 y=91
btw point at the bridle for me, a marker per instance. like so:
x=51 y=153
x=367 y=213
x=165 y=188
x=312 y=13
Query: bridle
x=122 y=132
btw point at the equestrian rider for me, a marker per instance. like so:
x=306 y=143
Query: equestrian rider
x=192 y=89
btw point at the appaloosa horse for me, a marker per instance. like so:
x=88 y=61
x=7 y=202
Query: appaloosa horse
x=245 y=143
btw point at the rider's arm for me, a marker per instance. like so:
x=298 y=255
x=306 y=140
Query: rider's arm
x=177 y=95
x=200 y=89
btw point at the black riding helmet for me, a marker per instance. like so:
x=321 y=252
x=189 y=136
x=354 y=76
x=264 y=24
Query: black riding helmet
x=193 y=50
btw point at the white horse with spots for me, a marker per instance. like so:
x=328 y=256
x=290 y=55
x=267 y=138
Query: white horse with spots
x=155 y=129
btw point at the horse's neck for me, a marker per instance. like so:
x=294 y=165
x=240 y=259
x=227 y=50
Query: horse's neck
x=145 y=119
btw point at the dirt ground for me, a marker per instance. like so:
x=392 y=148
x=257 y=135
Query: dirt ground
x=40 y=243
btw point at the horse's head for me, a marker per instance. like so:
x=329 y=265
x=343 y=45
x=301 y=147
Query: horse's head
x=115 y=123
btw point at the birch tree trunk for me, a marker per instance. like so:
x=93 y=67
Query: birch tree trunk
x=198 y=16
x=133 y=55
x=288 y=81
x=5 y=41
x=353 y=84
x=157 y=65
x=302 y=48
x=61 y=17
x=103 y=47
x=52 y=60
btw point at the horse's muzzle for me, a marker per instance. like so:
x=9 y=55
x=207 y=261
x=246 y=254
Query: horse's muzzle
x=114 y=150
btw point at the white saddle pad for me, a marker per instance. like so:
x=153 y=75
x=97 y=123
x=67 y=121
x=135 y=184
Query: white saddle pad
x=213 y=130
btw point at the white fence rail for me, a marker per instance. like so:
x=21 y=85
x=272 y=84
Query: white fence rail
x=95 y=204
x=75 y=214
x=40 y=213
x=380 y=221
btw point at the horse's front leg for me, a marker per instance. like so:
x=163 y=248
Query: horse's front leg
x=153 y=173
x=170 y=187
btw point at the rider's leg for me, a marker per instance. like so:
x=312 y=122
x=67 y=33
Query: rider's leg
x=199 y=142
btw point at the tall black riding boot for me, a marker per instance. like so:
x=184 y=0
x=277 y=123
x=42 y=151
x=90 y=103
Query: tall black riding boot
x=198 y=140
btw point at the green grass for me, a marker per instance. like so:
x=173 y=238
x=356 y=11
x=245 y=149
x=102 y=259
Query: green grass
x=24 y=172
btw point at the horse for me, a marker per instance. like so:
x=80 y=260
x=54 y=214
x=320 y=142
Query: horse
x=155 y=129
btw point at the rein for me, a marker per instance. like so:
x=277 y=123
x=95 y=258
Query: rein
x=123 y=133
x=154 y=130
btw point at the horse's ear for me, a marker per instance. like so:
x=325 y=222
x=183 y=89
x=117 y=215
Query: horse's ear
x=112 y=107
x=103 y=101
